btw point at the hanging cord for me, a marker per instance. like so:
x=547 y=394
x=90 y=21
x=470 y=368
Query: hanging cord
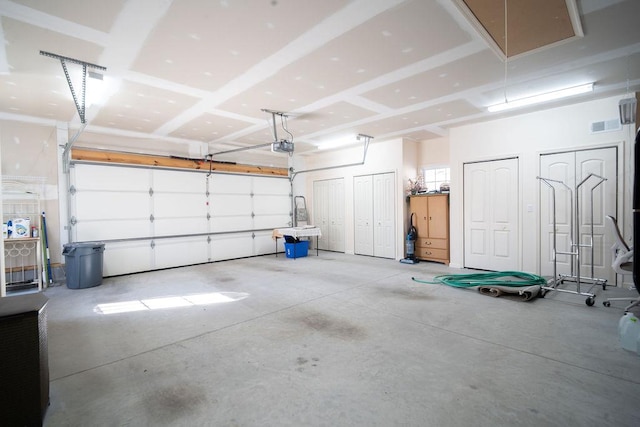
x=502 y=278
x=506 y=51
x=283 y=121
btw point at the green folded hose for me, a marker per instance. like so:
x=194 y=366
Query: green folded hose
x=501 y=278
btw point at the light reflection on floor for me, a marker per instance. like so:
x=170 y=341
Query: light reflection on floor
x=169 y=302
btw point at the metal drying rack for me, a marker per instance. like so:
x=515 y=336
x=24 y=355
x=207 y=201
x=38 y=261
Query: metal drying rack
x=574 y=242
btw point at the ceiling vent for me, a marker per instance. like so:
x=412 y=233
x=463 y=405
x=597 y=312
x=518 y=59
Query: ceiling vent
x=606 y=126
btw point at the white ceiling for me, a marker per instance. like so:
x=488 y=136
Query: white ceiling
x=188 y=77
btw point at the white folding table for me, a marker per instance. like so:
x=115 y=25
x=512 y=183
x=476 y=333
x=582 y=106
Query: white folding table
x=296 y=232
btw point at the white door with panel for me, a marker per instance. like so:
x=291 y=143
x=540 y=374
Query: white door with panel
x=374 y=213
x=384 y=215
x=160 y=218
x=328 y=213
x=363 y=214
x=595 y=201
x=491 y=215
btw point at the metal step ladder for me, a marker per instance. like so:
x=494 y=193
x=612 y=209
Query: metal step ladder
x=301 y=216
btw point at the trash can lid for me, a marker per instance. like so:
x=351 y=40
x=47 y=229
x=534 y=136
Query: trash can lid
x=83 y=244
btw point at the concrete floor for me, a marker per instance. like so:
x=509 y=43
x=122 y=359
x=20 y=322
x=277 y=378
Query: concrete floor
x=333 y=340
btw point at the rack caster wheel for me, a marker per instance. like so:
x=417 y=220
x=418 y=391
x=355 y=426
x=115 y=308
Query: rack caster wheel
x=606 y=303
x=590 y=301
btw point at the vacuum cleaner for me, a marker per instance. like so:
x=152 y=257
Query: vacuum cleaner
x=412 y=236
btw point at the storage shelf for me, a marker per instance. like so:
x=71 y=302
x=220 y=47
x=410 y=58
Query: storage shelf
x=22 y=255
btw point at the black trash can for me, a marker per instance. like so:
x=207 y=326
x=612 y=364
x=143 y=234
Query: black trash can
x=83 y=261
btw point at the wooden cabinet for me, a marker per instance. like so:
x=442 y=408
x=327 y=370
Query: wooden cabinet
x=432 y=222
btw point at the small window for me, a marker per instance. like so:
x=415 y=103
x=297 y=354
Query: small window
x=435 y=177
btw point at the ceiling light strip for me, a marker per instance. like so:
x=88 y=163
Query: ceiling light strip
x=543 y=97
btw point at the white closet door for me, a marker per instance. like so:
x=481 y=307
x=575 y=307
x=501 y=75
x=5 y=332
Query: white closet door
x=491 y=215
x=571 y=168
x=328 y=213
x=384 y=215
x=363 y=214
x=321 y=212
x=336 y=215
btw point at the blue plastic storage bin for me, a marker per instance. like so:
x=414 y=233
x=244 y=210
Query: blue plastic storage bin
x=297 y=250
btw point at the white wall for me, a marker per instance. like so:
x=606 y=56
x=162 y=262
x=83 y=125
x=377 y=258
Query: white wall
x=434 y=153
x=526 y=137
x=381 y=157
x=29 y=153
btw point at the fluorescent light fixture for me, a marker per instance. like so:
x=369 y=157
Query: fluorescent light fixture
x=543 y=97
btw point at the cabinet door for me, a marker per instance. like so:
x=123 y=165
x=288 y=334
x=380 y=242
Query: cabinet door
x=418 y=206
x=438 y=217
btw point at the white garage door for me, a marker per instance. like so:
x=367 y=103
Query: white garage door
x=158 y=218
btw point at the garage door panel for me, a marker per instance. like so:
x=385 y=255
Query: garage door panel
x=229 y=184
x=271 y=221
x=180 y=251
x=272 y=204
x=179 y=182
x=126 y=257
x=231 y=246
x=179 y=205
x=110 y=205
x=232 y=204
x=111 y=230
x=112 y=178
x=264 y=243
x=177 y=226
x=231 y=223
x=278 y=186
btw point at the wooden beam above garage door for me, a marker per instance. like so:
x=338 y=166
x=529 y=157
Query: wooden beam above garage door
x=79 y=154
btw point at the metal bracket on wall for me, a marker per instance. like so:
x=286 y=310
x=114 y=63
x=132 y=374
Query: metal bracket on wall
x=151 y=218
x=73 y=220
x=150 y=192
x=72 y=190
x=153 y=244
